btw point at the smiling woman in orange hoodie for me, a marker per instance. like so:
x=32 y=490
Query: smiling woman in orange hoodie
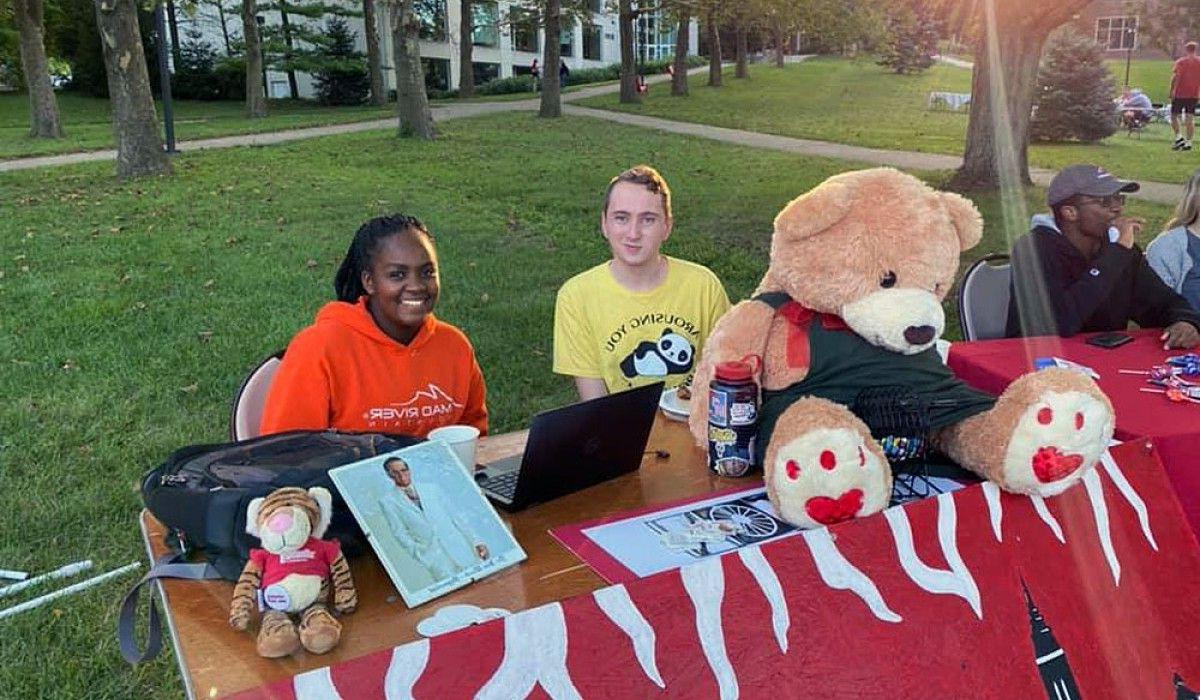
x=377 y=359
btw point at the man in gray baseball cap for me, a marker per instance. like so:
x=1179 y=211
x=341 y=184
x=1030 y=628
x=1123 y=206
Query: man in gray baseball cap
x=1079 y=270
x=1087 y=180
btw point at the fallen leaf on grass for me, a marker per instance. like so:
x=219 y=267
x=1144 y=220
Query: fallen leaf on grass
x=209 y=283
x=485 y=297
x=69 y=365
x=310 y=264
x=205 y=336
x=190 y=388
x=140 y=306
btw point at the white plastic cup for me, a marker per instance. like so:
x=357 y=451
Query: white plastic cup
x=462 y=440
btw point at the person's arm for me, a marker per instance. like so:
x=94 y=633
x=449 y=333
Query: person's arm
x=475 y=411
x=300 y=397
x=575 y=354
x=1049 y=305
x=1164 y=257
x=590 y=388
x=1155 y=305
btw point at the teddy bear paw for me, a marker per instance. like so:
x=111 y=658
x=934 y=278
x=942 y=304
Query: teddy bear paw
x=277 y=636
x=829 y=475
x=319 y=630
x=1058 y=438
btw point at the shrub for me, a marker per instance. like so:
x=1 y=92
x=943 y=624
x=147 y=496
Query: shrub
x=505 y=86
x=195 y=71
x=229 y=76
x=1074 y=96
x=342 y=79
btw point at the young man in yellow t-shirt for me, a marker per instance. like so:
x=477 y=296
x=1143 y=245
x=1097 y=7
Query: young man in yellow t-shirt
x=641 y=317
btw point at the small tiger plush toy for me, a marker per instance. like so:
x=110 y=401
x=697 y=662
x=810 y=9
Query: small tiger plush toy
x=291 y=574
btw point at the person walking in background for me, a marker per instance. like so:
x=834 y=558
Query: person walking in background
x=1175 y=253
x=537 y=75
x=563 y=72
x=1185 y=92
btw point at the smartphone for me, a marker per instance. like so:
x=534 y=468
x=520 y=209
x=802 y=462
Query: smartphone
x=1109 y=340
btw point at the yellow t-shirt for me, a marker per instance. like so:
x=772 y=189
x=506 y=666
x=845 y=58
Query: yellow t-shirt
x=628 y=339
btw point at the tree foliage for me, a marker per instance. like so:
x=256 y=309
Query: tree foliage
x=203 y=74
x=1074 y=96
x=1164 y=23
x=343 y=80
x=912 y=36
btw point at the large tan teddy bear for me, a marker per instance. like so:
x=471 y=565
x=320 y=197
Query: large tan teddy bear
x=852 y=300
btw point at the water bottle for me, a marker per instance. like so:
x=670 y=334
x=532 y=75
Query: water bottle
x=733 y=417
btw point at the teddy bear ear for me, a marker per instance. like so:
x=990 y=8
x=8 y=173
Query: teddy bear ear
x=252 y=516
x=965 y=217
x=325 y=503
x=814 y=211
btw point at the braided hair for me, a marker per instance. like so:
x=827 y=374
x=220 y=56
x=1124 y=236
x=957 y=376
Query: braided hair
x=347 y=283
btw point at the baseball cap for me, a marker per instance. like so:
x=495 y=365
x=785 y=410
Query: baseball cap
x=1089 y=180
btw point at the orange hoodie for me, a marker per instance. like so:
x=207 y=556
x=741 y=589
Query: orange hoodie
x=344 y=373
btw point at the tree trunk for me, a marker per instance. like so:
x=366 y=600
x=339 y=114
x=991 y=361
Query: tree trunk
x=224 y=28
x=742 y=70
x=43 y=107
x=374 y=60
x=173 y=28
x=551 y=105
x=135 y=124
x=714 y=49
x=412 y=103
x=1002 y=87
x=466 y=47
x=625 y=19
x=777 y=37
x=256 y=98
x=286 y=25
x=679 y=79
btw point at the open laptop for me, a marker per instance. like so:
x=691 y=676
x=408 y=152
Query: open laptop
x=574 y=447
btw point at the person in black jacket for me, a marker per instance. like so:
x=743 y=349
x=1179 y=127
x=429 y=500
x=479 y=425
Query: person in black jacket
x=1081 y=271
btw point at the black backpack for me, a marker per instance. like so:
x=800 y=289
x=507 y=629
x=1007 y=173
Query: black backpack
x=200 y=493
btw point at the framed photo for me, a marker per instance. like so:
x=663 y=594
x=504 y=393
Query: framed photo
x=426 y=519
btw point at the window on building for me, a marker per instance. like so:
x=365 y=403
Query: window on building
x=437 y=73
x=486 y=24
x=432 y=14
x=524 y=31
x=655 y=37
x=485 y=71
x=568 y=40
x=1116 y=33
x=591 y=43
x=596 y=6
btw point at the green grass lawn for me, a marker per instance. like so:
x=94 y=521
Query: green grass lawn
x=133 y=311
x=855 y=101
x=88 y=125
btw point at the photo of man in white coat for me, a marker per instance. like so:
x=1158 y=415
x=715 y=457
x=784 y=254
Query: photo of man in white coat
x=428 y=526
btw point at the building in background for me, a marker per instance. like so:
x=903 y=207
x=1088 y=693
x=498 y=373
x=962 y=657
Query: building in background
x=505 y=44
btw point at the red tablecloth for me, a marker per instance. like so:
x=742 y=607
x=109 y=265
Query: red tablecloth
x=990 y=365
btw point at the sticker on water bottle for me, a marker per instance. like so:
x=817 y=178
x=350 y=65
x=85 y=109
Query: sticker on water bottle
x=718 y=408
x=743 y=413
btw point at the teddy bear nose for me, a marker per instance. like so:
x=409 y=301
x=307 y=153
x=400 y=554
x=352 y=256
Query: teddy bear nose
x=919 y=335
x=280 y=523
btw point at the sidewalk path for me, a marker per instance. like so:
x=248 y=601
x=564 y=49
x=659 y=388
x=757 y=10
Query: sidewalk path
x=440 y=113
x=1163 y=193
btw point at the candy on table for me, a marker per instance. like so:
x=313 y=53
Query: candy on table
x=1189 y=364
x=1177 y=394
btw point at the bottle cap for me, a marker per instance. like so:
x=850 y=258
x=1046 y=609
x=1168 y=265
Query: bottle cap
x=734 y=371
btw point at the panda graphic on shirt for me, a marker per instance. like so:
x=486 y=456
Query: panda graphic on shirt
x=670 y=354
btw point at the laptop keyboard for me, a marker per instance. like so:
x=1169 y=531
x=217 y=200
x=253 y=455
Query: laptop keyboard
x=504 y=485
